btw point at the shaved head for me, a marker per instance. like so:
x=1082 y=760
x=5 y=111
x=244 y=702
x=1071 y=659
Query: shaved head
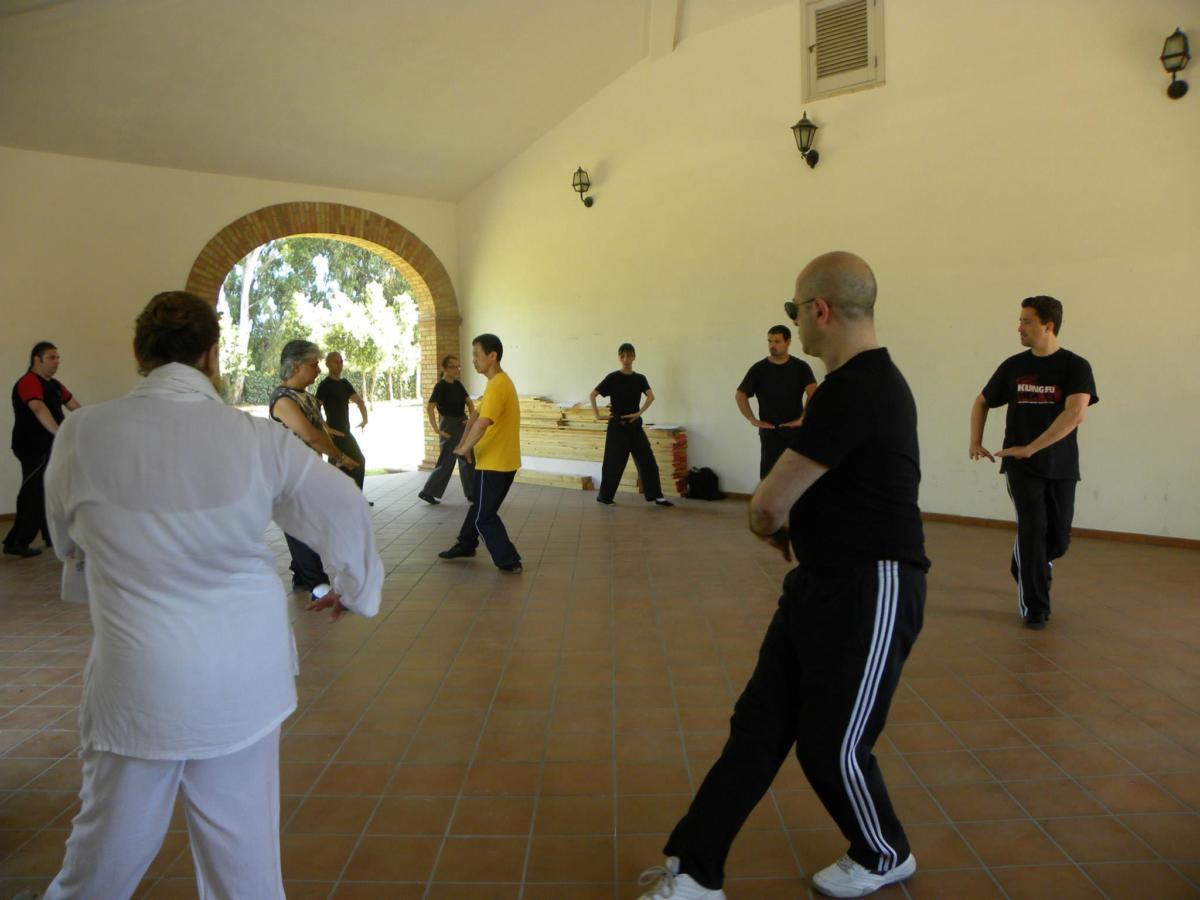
x=843 y=280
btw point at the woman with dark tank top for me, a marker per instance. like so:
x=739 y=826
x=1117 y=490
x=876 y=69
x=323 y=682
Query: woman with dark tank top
x=300 y=412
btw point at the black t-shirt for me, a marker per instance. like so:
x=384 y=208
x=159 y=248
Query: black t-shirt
x=625 y=390
x=29 y=436
x=335 y=394
x=1036 y=389
x=450 y=397
x=779 y=388
x=862 y=423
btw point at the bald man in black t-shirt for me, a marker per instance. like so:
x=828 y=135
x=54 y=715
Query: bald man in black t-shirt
x=843 y=497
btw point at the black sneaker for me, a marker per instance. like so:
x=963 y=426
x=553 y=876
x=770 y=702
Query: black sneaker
x=457 y=552
x=1036 y=621
x=514 y=569
x=663 y=501
x=25 y=552
x=600 y=499
x=429 y=498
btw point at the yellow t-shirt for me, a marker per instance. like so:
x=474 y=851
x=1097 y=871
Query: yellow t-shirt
x=499 y=450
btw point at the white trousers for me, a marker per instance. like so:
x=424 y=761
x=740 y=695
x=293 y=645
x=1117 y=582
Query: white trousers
x=232 y=808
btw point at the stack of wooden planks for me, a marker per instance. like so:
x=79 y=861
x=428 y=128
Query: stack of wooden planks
x=572 y=432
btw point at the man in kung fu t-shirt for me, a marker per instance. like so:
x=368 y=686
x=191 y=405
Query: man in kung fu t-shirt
x=1047 y=390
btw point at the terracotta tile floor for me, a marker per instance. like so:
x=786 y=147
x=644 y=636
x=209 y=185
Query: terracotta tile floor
x=537 y=737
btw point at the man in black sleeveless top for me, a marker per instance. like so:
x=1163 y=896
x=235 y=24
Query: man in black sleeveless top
x=625 y=435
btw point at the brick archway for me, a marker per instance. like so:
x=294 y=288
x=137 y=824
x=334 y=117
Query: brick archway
x=437 y=305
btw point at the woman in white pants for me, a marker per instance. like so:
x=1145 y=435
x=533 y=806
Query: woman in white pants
x=168 y=493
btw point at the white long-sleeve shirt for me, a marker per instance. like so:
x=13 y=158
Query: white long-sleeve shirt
x=169 y=493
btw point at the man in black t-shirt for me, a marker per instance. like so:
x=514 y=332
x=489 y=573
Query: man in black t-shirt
x=451 y=403
x=1047 y=390
x=625 y=435
x=782 y=384
x=843 y=496
x=38 y=401
x=336 y=394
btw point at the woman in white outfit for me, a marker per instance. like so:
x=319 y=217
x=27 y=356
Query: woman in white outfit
x=168 y=493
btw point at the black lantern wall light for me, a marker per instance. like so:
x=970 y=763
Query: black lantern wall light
x=804 y=132
x=582 y=185
x=1175 y=58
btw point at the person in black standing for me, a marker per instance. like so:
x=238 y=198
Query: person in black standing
x=451 y=402
x=843 y=498
x=336 y=394
x=1047 y=390
x=38 y=401
x=782 y=384
x=625 y=434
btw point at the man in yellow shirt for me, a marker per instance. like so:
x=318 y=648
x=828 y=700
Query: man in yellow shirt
x=493 y=438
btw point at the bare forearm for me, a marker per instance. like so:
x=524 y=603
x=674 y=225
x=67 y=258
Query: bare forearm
x=743 y=405
x=474 y=434
x=979 y=412
x=431 y=410
x=1066 y=422
x=46 y=420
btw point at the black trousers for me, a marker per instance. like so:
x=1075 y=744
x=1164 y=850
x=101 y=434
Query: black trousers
x=620 y=441
x=31 y=501
x=348 y=445
x=435 y=484
x=1045 y=508
x=307 y=569
x=483 y=517
x=772 y=443
x=827 y=670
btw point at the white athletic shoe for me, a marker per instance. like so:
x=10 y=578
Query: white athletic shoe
x=668 y=883
x=846 y=878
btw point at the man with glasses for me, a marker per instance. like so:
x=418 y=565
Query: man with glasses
x=451 y=402
x=783 y=385
x=843 y=497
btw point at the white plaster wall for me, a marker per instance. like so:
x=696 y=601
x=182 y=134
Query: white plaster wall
x=85 y=243
x=1017 y=148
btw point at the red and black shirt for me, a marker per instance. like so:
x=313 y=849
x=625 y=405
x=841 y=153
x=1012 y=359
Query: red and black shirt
x=29 y=436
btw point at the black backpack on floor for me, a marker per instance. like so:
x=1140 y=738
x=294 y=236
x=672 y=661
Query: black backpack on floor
x=702 y=484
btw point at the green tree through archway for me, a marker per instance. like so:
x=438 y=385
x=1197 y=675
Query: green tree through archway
x=340 y=295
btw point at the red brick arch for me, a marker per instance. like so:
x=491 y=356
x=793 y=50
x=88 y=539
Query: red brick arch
x=437 y=304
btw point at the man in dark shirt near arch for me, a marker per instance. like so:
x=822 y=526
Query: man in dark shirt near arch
x=783 y=385
x=38 y=400
x=336 y=394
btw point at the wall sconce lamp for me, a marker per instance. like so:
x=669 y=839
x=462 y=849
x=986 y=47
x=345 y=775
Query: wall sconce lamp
x=1175 y=58
x=804 y=132
x=582 y=185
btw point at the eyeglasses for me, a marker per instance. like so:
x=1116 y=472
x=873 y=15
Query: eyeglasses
x=792 y=309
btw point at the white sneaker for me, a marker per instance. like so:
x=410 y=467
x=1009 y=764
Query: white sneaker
x=846 y=878
x=669 y=883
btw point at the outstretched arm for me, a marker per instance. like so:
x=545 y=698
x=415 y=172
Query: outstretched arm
x=1064 y=423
